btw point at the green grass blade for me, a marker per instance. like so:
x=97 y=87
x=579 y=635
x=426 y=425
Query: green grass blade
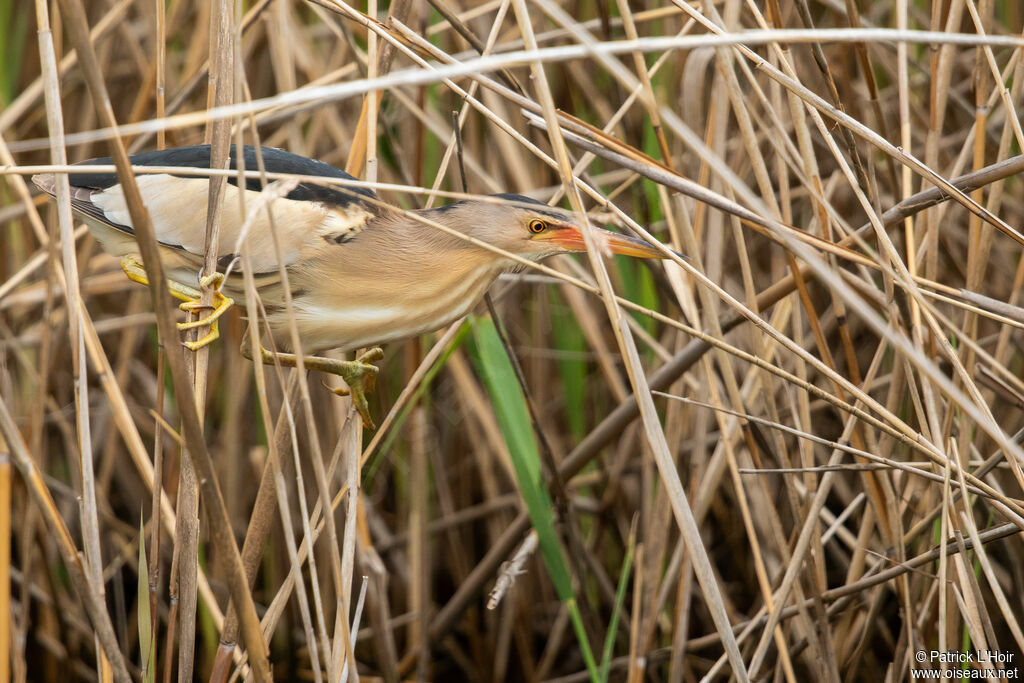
x=620 y=599
x=147 y=653
x=568 y=337
x=14 y=27
x=494 y=366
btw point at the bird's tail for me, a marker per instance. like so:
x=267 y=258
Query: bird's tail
x=46 y=182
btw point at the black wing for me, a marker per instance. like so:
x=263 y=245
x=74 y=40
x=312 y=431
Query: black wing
x=275 y=161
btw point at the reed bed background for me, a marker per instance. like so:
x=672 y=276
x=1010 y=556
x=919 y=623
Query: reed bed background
x=822 y=477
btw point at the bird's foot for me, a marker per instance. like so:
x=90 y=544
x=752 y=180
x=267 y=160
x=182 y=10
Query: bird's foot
x=359 y=374
x=219 y=306
x=191 y=300
x=361 y=377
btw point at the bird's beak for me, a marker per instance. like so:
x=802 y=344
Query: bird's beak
x=570 y=238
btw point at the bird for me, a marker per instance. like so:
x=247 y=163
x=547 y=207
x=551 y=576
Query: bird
x=360 y=272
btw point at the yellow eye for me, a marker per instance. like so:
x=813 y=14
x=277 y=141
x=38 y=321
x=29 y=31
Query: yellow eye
x=538 y=226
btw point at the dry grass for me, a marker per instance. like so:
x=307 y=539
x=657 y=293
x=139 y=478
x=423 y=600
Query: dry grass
x=821 y=475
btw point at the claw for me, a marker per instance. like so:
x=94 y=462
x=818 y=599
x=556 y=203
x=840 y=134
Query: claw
x=337 y=391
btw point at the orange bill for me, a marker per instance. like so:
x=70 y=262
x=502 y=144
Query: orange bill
x=570 y=238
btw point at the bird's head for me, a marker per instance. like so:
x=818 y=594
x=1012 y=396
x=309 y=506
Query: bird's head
x=532 y=229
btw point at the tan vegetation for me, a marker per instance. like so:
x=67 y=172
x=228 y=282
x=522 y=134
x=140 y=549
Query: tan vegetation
x=823 y=474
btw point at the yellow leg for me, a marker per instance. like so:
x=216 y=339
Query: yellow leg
x=192 y=300
x=359 y=374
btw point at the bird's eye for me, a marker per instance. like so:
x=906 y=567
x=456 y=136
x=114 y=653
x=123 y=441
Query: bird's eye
x=538 y=226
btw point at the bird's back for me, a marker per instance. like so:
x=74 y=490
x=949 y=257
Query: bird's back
x=306 y=218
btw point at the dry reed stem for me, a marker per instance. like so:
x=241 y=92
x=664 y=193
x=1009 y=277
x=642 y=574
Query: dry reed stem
x=147 y=242
x=821 y=449
x=79 y=573
x=86 y=483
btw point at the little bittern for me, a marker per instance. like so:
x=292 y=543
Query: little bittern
x=360 y=273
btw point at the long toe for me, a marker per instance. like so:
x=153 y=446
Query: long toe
x=370 y=378
x=371 y=356
x=207 y=339
x=358 y=395
x=194 y=306
x=360 y=377
x=218 y=308
x=359 y=401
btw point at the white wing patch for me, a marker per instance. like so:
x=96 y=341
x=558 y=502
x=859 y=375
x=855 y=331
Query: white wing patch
x=177 y=207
